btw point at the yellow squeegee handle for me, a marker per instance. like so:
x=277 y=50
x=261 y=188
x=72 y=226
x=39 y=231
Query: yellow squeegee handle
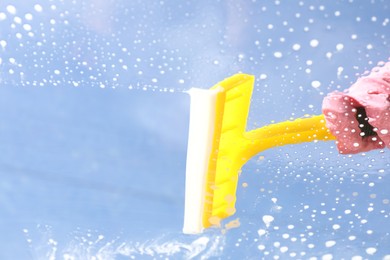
x=289 y=132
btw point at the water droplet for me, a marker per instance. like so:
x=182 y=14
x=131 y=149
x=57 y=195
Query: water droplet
x=38 y=8
x=336 y=226
x=315 y=84
x=314 y=43
x=268 y=219
x=27 y=27
x=263 y=76
x=327 y=257
x=339 y=71
x=261 y=232
x=339 y=47
x=28 y=16
x=371 y=250
x=296 y=47
x=283 y=249
x=278 y=54
x=11 y=9
x=3 y=16
x=330 y=243
x=17 y=20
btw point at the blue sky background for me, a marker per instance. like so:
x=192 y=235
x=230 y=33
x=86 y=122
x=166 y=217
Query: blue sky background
x=94 y=121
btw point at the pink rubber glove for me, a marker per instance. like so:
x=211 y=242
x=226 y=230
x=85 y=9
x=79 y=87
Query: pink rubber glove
x=359 y=117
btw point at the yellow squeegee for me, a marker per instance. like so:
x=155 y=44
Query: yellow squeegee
x=219 y=145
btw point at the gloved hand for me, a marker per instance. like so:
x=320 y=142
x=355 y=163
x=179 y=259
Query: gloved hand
x=360 y=116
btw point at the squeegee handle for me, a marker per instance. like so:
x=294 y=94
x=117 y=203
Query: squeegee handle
x=289 y=132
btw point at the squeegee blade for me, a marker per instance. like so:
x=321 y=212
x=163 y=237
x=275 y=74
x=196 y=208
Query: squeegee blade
x=200 y=139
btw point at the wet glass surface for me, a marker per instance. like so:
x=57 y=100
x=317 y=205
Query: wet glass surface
x=94 y=121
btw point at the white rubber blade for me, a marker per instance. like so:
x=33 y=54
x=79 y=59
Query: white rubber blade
x=200 y=140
